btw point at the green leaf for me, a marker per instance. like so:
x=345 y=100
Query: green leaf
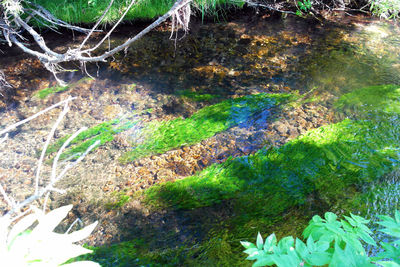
x=49 y=221
x=319 y=258
x=286 y=244
x=310 y=244
x=388 y=264
x=330 y=217
x=265 y=261
x=260 y=241
x=359 y=219
x=397 y=216
x=301 y=248
x=246 y=244
x=270 y=242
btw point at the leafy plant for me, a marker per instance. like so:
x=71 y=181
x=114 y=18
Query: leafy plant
x=303 y=6
x=21 y=245
x=388 y=9
x=329 y=241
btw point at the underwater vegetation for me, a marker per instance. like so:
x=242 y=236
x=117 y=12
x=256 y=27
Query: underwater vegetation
x=196 y=96
x=42 y=94
x=103 y=132
x=163 y=136
x=330 y=165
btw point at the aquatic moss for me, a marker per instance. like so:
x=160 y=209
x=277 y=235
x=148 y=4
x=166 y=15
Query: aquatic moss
x=327 y=165
x=118 y=201
x=328 y=159
x=122 y=254
x=103 y=132
x=42 y=94
x=196 y=96
x=163 y=136
x=372 y=100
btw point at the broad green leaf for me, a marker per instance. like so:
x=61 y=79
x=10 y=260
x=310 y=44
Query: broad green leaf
x=310 y=244
x=286 y=260
x=301 y=248
x=319 y=258
x=367 y=238
x=330 y=217
x=358 y=219
x=250 y=251
x=317 y=218
x=351 y=221
x=346 y=226
x=322 y=246
x=285 y=244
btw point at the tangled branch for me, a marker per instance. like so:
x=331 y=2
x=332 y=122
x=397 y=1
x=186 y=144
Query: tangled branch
x=12 y=23
x=15 y=208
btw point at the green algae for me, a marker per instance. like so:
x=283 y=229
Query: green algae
x=329 y=165
x=119 y=199
x=329 y=159
x=196 y=96
x=42 y=94
x=101 y=133
x=121 y=254
x=163 y=136
x=381 y=99
x=272 y=189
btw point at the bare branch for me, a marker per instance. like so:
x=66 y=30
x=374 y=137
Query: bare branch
x=49 y=137
x=97 y=24
x=180 y=13
x=15 y=125
x=15 y=208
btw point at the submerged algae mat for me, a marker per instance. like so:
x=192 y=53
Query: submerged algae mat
x=327 y=166
x=160 y=137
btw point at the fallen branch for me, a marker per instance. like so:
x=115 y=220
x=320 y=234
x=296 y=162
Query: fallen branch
x=11 y=23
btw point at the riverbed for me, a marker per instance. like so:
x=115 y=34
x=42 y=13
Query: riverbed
x=248 y=86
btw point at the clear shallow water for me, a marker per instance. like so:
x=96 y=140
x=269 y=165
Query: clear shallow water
x=157 y=81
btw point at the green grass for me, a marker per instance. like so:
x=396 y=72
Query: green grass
x=163 y=136
x=88 y=11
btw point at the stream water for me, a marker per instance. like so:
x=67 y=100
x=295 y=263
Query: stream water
x=168 y=110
